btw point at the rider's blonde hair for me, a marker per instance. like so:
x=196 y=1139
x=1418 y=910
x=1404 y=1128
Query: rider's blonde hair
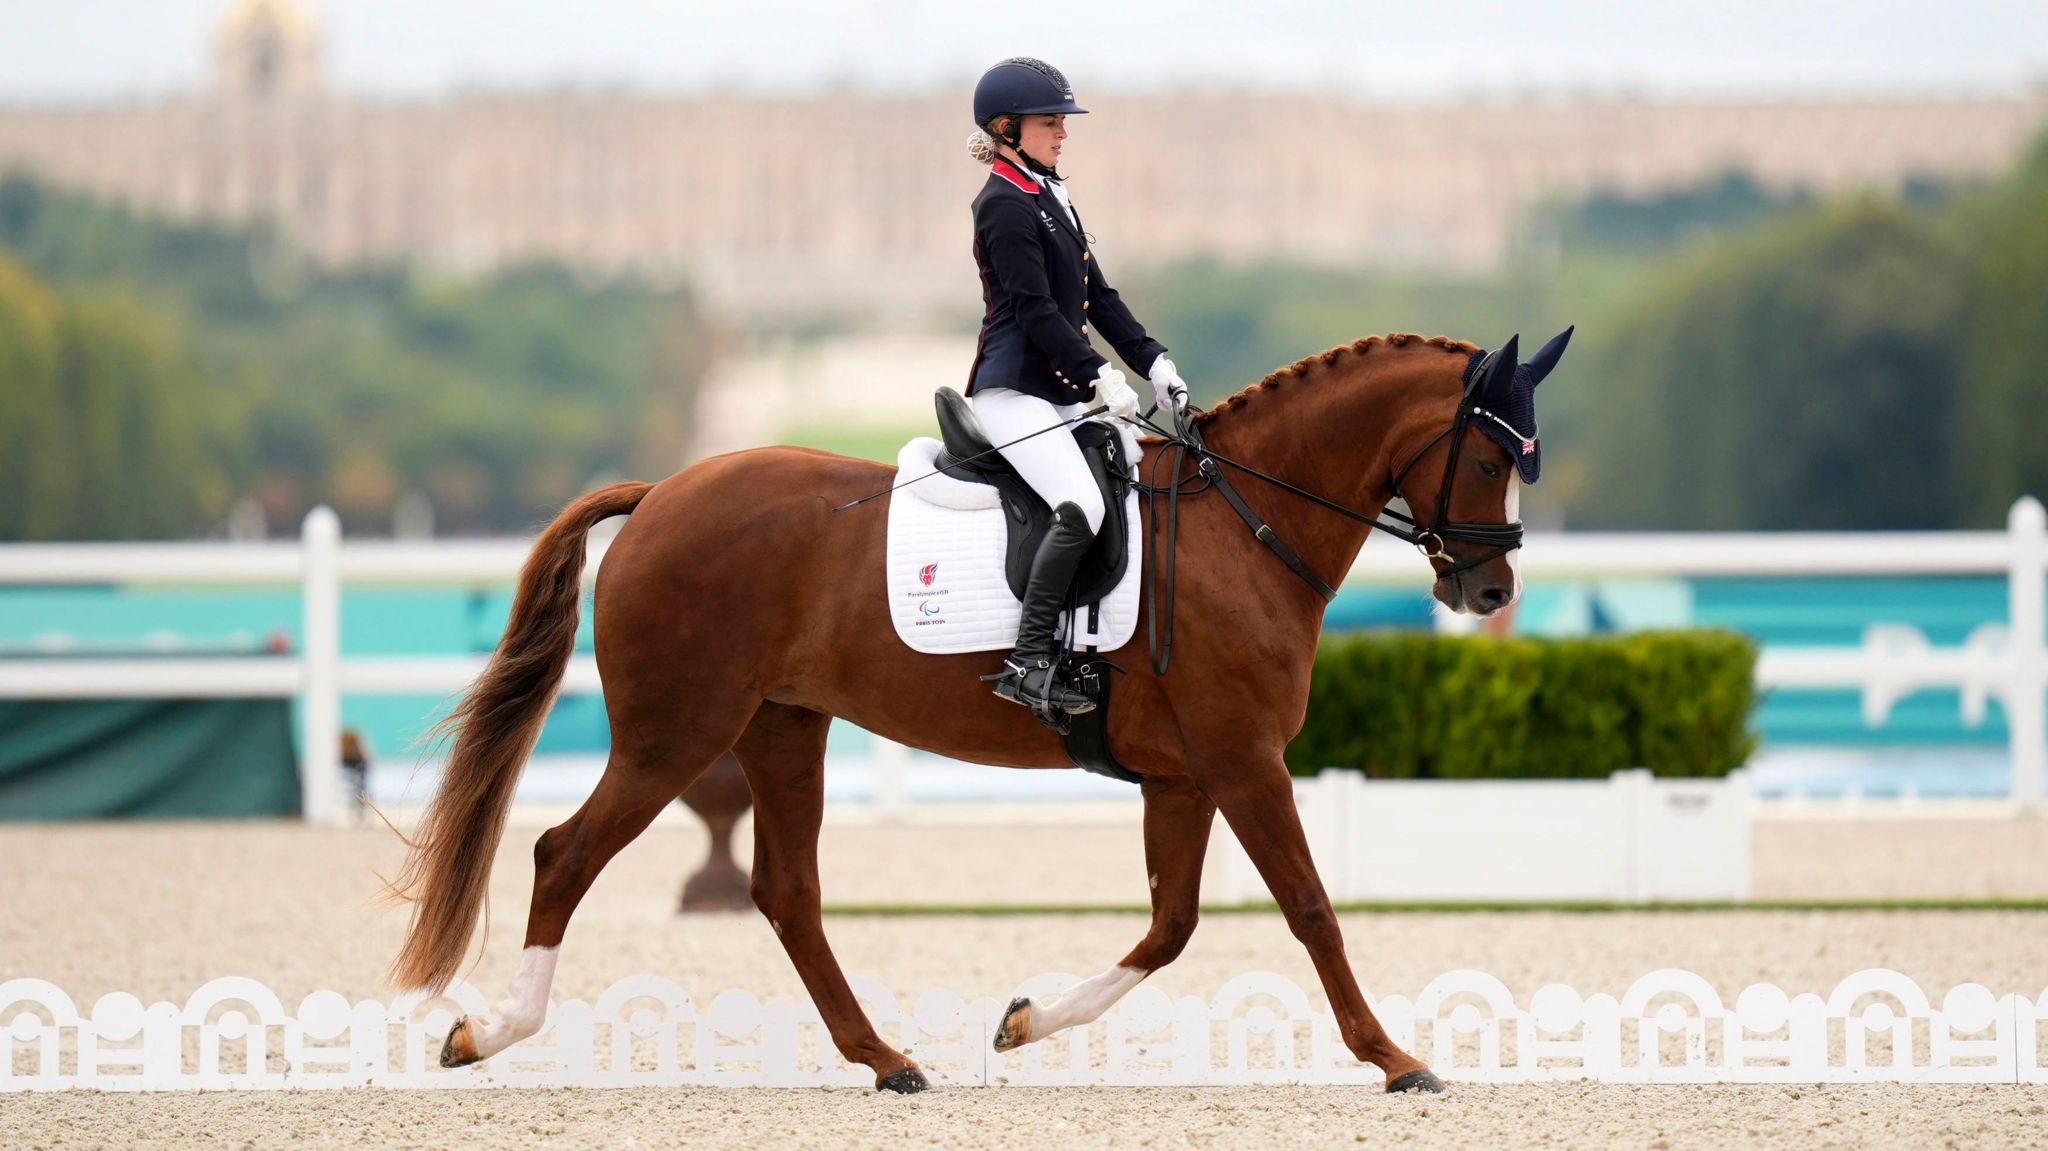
x=981 y=144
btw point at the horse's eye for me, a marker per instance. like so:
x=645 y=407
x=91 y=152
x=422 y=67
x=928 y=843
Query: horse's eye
x=1491 y=469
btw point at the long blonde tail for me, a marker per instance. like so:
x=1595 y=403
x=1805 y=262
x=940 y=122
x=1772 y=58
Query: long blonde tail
x=447 y=873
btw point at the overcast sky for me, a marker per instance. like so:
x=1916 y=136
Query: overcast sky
x=90 y=49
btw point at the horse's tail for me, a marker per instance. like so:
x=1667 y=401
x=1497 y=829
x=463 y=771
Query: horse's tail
x=447 y=873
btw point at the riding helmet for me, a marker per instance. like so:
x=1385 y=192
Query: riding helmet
x=1022 y=86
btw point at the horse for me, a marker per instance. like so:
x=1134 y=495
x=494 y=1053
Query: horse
x=736 y=611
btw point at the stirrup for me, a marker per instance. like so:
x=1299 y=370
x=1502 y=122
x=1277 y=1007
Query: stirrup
x=1014 y=684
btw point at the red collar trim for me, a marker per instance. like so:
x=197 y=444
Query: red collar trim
x=1008 y=171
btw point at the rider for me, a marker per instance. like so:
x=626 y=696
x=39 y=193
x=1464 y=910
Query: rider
x=1033 y=366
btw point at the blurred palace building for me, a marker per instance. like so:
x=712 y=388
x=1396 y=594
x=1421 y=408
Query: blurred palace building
x=768 y=210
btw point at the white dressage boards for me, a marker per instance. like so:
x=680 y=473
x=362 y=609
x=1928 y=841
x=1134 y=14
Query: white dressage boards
x=1631 y=836
x=947 y=588
x=1670 y=1026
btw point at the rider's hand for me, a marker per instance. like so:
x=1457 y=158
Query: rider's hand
x=1117 y=395
x=1167 y=385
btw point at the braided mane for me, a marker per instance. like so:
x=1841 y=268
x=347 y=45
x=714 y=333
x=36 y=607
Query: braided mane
x=1309 y=366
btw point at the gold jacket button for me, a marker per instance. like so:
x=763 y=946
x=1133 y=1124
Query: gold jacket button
x=1084 y=257
x=1084 y=305
x=1084 y=329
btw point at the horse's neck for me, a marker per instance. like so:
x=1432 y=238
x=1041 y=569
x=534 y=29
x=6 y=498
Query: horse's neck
x=1331 y=435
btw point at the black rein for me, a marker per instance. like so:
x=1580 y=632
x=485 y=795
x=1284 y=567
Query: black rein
x=1186 y=438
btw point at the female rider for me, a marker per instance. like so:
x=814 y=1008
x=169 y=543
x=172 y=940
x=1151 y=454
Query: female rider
x=1033 y=366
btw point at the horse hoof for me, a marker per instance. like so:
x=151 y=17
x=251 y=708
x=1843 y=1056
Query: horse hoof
x=459 y=1050
x=1421 y=1081
x=1011 y=1034
x=908 y=1081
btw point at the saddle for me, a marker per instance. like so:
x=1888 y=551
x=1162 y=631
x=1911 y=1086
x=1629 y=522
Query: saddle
x=967 y=455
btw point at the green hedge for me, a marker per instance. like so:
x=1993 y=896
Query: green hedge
x=1402 y=705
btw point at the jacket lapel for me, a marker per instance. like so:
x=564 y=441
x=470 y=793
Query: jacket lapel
x=1050 y=205
x=1049 y=208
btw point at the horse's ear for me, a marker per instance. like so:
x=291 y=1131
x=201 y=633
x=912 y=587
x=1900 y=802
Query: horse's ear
x=1546 y=357
x=1477 y=381
x=1495 y=369
x=1499 y=375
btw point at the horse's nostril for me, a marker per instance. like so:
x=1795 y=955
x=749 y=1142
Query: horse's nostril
x=1494 y=597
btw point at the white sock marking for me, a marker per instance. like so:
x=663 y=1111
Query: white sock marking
x=522 y=1014
x=1084 y=1002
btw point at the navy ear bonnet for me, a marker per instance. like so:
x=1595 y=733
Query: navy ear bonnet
x=1502 y=392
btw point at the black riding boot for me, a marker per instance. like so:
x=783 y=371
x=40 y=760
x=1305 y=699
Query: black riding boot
x=1029 y=675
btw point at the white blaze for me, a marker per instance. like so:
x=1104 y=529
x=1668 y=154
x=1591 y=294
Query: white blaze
x=1511 y=511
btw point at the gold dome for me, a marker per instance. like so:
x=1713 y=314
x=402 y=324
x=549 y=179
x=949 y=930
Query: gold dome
x=267 y=47
x=291 y=20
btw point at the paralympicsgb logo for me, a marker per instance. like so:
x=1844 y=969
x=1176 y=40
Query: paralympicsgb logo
x=927 y=573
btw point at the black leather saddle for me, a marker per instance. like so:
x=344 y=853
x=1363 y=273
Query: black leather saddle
x=969 y=456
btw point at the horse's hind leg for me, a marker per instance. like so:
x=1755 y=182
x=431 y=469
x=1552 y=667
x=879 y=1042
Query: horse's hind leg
x=783 y=756
x=1177 y=821
x=566 y=861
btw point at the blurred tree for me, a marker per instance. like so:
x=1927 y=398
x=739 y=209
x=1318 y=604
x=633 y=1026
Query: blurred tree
x=135 y=438
x=68 y=239
x=497 y=398
x=688 y=345
x=31 y=479
x=1615 y=222
x=99 y=432
x=2004 y=342
x=1229 y=325
x=1803 y=376
x=1798 y=370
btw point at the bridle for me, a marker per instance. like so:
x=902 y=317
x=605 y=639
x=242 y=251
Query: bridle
x=1432 y=541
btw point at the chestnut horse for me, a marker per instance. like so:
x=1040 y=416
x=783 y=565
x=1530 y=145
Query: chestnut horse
x=736 y=611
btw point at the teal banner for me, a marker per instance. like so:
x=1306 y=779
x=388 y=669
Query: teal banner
x=147 y=759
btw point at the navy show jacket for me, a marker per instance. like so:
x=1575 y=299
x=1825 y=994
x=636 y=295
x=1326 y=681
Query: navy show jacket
x=1041 y=288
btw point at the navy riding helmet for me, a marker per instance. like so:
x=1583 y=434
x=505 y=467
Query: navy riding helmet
x=1022 y=86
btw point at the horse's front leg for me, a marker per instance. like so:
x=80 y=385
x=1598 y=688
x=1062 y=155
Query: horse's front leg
x=1177 y=821
x=1256 y=795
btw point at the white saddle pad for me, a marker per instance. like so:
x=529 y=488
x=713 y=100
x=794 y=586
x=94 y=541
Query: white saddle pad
x=947 y=588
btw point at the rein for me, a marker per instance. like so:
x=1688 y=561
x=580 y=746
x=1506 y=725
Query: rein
x=1431 y=541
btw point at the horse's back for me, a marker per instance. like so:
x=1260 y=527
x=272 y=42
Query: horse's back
x=785 y=465
x=745 y=534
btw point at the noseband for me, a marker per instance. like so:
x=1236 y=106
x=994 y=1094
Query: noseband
x=1432 y=541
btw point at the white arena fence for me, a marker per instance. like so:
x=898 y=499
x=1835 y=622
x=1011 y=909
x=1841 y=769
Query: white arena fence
x=1628 y=838
x=1670 y=1026
x=2005 y=662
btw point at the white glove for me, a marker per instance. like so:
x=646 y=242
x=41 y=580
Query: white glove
x=1111 y=390
x=1167 y=385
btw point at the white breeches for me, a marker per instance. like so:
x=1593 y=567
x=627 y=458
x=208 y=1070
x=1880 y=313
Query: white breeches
x=1052 y=463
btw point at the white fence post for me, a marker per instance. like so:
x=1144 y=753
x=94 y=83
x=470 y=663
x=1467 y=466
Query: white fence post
x=2028 y=523
x=320 y=662
x=1631 y=795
